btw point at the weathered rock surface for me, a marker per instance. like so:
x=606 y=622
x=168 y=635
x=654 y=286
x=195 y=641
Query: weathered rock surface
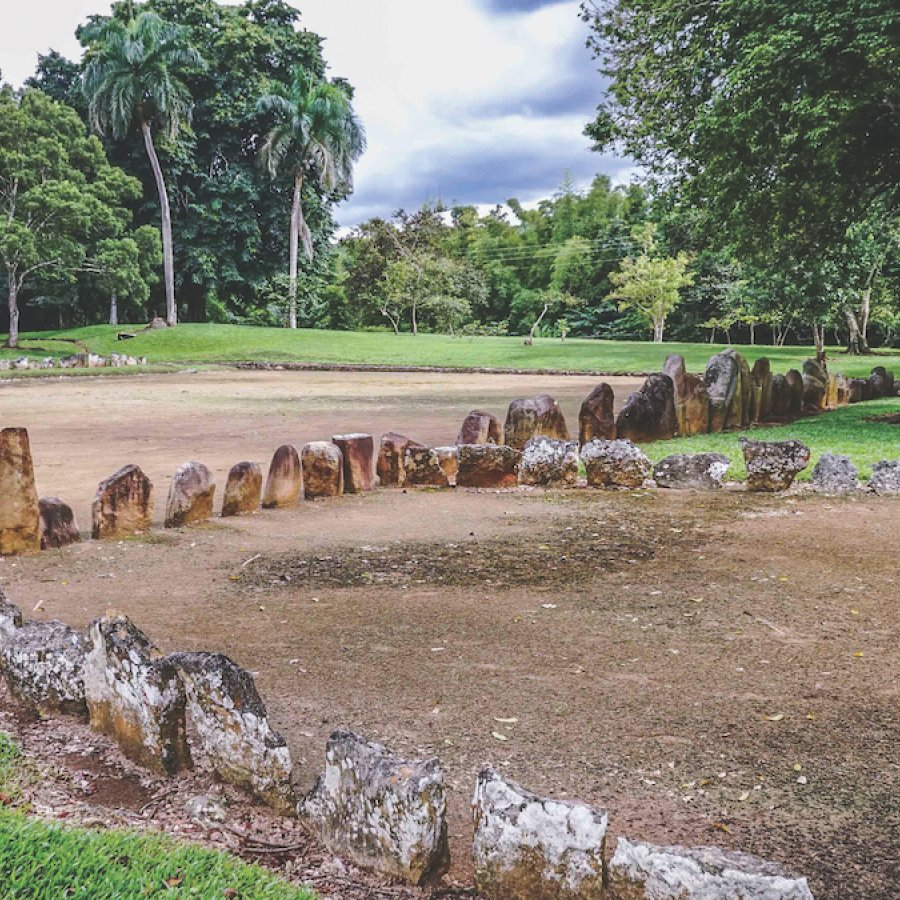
x=391 y=466
x=531 y=417
x=647 y=872
x=835 y=474
x=488 y=466
x=886 y=477
x=448 y=459
x=841 y=388
x=692 y=471
x=549 y=462
x=323 y=470
x=423 y=468
x=233 y=728
x=773 y=465
x=596 y=420
x=58 y=525
x=724 y=391
x=691 y=401
x=815 y=385
x=795 y=389
x=243 y=489
x=384 y=812
x=10 y=618
x=741 y=418
x=285 y=479
x=781 y=398
x=20 y=521
x=529 y=847
x=649 y=414
x=761 y=387
x=191 y=495
x=480 y=428
x=135 y=696
x=358 y=451
x=859 y=390
x=42 y=663
x=123 y=505
x=615 y=464
x=880 y=383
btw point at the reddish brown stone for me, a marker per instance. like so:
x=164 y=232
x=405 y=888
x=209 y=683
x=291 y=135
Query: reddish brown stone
x=448 y=460
x=242 y=490
x=392 y=458
x=20 y=528
x=285 y=480
x=423 y=467
x=480 y=428
x=323 y=470
x=359 y=461
x=691 y=400
x=190 y=495
x=488 y=466
x=761 y=402
x=535 y=416
x=123 y=505
x=58 y=525
x=597 y=419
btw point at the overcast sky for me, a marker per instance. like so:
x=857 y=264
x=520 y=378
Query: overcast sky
x=471 y=101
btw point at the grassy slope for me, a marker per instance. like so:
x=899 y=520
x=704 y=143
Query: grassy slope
x=42 y=860
x=215 y=343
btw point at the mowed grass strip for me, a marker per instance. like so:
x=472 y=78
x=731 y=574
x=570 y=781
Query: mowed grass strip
x=235 y=343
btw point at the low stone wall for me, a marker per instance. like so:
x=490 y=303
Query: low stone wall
x=75 y=361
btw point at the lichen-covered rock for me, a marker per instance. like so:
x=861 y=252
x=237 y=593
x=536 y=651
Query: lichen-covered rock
x=243 y=489
x=649 y=414
x=448 y=459
x=531 y=417
x=596 y=419
x=488 y=466
x=323 y=470
x=423 y=467
x=834 y=474
x=358 y=451
x=42 y=663
x=285 y=479
x=724 y=391
x=691 y=401
x=480 y=428
x=761 y=386
x=191 y=495
x=773 y=465
x=123 y=505
x=233 y=729
x=615 y=464
x=391 y=465
x=528 y=847
x=10 y=618
x=886 y=477
x=815 y=385
x=549 y=462
x=135 y=695
x=647 y=872
x=692 y=471
x=20 y=520
x=58 y=525
x=385 y=812
x=794 y=381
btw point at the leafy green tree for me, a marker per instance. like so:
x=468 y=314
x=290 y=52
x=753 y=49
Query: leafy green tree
x=316 y=134
x=124 y=268
x=131 y=79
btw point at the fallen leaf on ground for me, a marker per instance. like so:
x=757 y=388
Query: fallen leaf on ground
x=498 y=736
x=776 y=718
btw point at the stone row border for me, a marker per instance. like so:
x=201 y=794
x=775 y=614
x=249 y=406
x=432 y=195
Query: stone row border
x=75 y=361
x=384 y=812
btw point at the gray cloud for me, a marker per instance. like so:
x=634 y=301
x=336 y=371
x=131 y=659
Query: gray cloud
x=515 y=7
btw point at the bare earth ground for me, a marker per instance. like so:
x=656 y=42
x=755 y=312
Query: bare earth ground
x=711 y=669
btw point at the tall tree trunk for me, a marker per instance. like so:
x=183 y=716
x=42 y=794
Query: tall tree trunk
x=166 y=215
x=658 y=328
x=113 y=310
x=294 y=243
x=856 y=339
x=13 y=341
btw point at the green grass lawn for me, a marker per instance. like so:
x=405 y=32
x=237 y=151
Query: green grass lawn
x=43 y=861
x=843 y=431
x=230 y=343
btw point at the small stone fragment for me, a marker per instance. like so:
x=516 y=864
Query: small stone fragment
x=123 y=505
x=549 y=462
x=597 y=420
x=243 y=489
x=58 y=525
x=423 y=467
x=191 y=495
x=480 y=428
x=358 y=452
x=616 y=463
x=488 y=466
x=834 y=474
x=692 y=471
x=886 y=477
x=531 y=417
x=773 y=465
x=649 y=414
x=392 y=457
x=285 y=480
x=20 y=521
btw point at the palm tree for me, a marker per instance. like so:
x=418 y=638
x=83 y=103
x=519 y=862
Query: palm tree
x=317 y=134
x=129 y=81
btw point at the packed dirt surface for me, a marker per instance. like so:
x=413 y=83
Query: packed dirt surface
x=712 y=669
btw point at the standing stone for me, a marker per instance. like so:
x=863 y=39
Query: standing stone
x=859 y=388
x=815 y=385
x=20 y=520
x=480 y=428
x=423 y=467
x=135 y=696
x=781 y=398
x=391 y=466
x=191 y=495
x=488 y=466
x=123 y=505
x=528 y=847
x=692 y=471
x=615 y=464
x=647 y=872
x=878 y=383
x=723 y=383
x=741 y=418
x=243 y=489
x=691 y=401
x=384 y=812
x=548 y=462
x=358 y=451
x=596 y=420
x=323 y=470
x=233 y=728
x=842 y=387
x=649 y=414
x=835 y=474
x=448 y=460
x=886 y=477
x=773 y=465
x=58 y=525
x=831 y=391
x=42 y=663
x=795 y=393
x=285 y=480
x=535 y=416
x=761 y=384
